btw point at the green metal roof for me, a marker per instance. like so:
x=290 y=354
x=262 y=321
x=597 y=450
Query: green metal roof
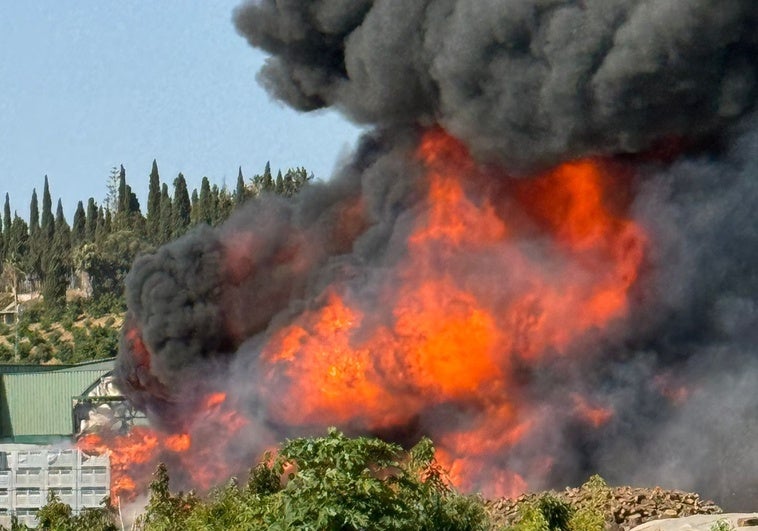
x=39 y=403
x=6 y=368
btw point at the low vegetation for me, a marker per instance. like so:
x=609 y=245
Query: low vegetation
x=86 y=330
x=333 y=483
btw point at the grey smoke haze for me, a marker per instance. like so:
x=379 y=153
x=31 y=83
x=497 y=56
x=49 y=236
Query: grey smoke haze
x=524 y=84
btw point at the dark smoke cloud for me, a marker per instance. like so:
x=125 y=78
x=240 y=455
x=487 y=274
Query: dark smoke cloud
x=526 y=83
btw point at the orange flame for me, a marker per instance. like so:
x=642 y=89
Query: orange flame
x=472 y=298
x=497 y=274
x=135 y=455
x=593 y=415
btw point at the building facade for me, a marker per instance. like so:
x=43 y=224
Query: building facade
x=43 y=410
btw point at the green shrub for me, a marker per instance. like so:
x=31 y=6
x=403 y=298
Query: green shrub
x=56 y=515
x=551 y=512
x=327 y=483
x=6 y=353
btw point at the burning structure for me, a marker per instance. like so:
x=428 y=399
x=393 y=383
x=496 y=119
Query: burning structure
x=542 y=255
x=37 y=429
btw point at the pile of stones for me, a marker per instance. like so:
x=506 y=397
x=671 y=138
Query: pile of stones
x=623 y=507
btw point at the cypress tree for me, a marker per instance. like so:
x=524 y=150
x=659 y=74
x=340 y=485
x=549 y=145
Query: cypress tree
x=100 y=229
x=180 y=211
x=215 y=192
x=240 y=193
x=123 y=198
x=61 y=225
x=47 y=224
x=6 y=232
x=91 y=222
x=34 y=244
x=5 y=229
x=165 y=227
x=154 y=203
x=131 y=216
x=205 y=203
x=57 y=260
x=7 y=217
x=17 y=250
x=279 y=185
x=194 y=207
x=33 y=214
x=268 y=181
x=79 y=226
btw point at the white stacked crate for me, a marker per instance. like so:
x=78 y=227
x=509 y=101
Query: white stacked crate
x=29 y=473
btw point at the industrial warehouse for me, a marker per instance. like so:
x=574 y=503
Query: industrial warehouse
x=44 y=409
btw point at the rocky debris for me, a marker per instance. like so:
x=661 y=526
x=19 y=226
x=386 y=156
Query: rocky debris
x=623 y=507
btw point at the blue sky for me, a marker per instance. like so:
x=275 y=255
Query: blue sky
x=88 y=85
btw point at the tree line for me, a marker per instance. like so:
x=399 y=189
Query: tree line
x=96 y=250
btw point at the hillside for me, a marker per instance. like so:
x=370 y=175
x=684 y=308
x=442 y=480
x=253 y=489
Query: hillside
x=83 y=331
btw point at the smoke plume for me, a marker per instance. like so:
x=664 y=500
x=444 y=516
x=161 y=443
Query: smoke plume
x=619 y=341
x=526 y=83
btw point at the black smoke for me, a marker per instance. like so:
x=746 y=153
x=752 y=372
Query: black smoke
x=526 y=83
x=668 y=87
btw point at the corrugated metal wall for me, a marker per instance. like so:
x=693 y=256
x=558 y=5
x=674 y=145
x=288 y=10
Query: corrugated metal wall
x=40 y=403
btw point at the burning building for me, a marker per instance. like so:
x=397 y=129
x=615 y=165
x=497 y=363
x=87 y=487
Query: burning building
x=542 y=254
x=43 y=409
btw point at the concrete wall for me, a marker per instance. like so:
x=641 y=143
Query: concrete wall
x=29 y=472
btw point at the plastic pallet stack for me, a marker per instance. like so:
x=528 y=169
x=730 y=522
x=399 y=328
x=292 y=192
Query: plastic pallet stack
x=28 y=473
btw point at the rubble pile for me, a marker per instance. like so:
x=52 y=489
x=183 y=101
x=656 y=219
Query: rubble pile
x=622 y=507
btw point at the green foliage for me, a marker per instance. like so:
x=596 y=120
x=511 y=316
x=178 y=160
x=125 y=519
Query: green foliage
x=590 y=515
x=722 y=525
x=550 y=512
x=34 y=213
x=90 y=223
x=241 y=193
x=79 y=227
x=99 y=250
x=57 y=516
x=546 y=513
x=7 y=215
x=107 y=262
x=164 y=511
x=47 y=222
x=153 y=204
x=326 y=483
x=205 y=203
x=181 y=207
x=263 y=479
x=93 y=343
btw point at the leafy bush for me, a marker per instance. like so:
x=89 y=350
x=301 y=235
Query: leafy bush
x=550 y=512
x=94 y=343
x=165 y=512
x=326 y=483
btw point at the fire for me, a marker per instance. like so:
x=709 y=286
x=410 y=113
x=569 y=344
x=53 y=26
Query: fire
x=473 y=298
x=497 y=278
x=594 y=415
x=135 y=455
